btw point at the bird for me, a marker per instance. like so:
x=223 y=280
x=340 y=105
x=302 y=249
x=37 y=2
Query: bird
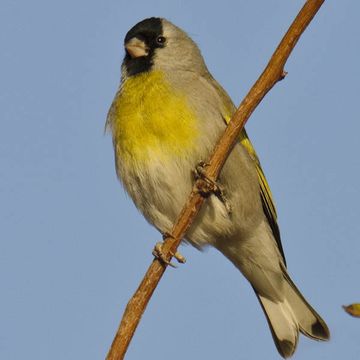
x=165 y=118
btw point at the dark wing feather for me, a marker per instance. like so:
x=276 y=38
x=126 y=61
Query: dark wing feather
x=265 y=192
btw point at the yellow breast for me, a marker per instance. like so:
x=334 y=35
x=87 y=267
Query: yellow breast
x=149 y=118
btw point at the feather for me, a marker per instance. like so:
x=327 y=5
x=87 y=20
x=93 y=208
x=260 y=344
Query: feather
x=265 y=192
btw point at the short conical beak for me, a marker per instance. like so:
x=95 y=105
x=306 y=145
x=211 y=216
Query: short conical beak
x=136 y=48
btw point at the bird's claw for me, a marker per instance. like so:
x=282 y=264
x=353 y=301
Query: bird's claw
x=207 y=186
x=159 y=254
x=180 y=258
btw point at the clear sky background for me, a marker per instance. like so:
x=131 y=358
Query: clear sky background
x=73 y=248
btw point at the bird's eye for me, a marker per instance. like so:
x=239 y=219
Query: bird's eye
x=161 y=40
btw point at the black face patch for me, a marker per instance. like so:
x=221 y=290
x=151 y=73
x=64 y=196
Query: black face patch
x=150 y=31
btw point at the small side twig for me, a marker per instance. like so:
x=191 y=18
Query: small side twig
x=273 y=73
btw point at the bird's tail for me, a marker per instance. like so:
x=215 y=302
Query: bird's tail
x=288 y=317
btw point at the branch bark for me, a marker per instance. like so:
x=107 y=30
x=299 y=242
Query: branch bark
x=273 y=73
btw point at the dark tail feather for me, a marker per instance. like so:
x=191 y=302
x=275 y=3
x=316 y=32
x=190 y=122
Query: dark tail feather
x=291 y=316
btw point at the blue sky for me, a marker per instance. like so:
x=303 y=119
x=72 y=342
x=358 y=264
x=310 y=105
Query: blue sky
x=73 y=248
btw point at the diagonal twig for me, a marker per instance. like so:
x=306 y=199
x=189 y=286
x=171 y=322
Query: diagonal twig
x=273 y=73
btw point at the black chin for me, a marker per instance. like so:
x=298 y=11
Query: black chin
x=147 y=31
x=137 y=65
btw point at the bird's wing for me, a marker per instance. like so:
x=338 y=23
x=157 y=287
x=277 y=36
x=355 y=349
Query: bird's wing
x=265 y=192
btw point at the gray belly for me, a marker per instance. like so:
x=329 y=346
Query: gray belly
x=160 y=189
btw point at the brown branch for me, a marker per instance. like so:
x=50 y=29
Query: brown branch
x=273 y=72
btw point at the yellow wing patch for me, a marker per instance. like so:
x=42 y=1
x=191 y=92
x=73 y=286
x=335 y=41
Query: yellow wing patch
x=264 y=186
x=265 y=189
x=266 y=196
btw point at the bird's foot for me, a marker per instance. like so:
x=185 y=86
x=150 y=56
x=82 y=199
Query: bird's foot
x=159 y=254
x=207 y=186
